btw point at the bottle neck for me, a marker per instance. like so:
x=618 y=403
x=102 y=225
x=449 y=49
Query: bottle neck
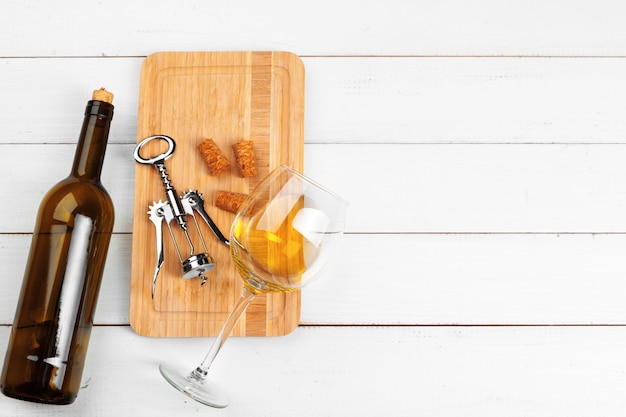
x=92 y=141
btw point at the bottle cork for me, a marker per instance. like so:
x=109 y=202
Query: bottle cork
x=245 y=157
x=102 y=95
x=230 y=201
x=213 y=156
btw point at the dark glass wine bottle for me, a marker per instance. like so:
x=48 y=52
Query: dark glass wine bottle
x=50 y=334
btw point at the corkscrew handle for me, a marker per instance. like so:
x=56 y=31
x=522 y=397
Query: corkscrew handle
x=158 y=158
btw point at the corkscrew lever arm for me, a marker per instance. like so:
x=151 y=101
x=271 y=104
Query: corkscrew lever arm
x=156 y=217
x=195 y=202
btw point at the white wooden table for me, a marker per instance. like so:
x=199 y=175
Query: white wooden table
x=482 y=146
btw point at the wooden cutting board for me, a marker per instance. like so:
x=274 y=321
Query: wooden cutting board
x=229 y=97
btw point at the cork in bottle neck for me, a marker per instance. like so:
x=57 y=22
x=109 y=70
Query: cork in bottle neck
x=92 y=142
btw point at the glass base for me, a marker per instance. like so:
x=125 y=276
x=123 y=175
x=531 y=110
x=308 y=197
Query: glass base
x=204 y=391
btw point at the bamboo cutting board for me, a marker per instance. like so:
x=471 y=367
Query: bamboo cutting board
x=229 y=97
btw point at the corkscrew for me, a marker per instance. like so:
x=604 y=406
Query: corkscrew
x=175 y=211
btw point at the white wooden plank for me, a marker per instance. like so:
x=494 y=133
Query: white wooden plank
x=358 y=100
x=465 y=100
x=426 y=279
x=371 y=371
x=398 y=27
x=472 y=280
x=475 y=188
x=395 y=188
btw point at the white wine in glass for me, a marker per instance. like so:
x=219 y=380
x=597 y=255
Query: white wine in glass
x=281 y=239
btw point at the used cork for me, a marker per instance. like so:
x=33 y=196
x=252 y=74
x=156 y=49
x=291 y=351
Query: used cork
x=230 y=201
x=245 y=157
x=102 y=94
x=213 y=156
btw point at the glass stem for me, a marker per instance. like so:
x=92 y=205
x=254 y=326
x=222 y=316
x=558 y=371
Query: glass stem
x=245 y=299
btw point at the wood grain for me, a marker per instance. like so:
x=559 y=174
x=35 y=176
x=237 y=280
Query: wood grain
x=229 y=97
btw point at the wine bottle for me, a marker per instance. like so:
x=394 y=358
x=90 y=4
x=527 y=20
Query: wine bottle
x=54 y=317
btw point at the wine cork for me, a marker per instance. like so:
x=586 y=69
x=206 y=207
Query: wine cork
x=102 y=95
x=230 y=201
x=213 y=156
x=245 y=157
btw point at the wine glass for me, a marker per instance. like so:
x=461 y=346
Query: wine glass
x=280 y=240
